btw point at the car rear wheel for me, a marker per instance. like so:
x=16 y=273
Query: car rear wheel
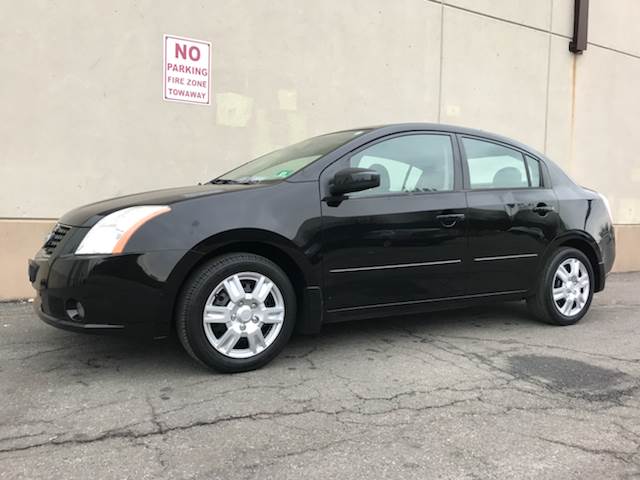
x=236 y=312
x=565 y=288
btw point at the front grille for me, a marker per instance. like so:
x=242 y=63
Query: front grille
x=55 y=237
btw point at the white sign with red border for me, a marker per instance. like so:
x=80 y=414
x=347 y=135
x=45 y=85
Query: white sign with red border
x=187 y=70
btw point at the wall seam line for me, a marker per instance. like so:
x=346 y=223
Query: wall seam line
x=546 y=108
x=529 y=27
x=615 y=50
x=441 y=62
x=499 y=19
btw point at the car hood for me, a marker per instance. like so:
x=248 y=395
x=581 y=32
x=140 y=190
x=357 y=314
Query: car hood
x=88 y=215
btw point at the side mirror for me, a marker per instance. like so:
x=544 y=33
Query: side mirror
x=354 y=180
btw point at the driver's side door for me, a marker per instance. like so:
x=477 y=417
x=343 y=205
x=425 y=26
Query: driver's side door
x=404 y=242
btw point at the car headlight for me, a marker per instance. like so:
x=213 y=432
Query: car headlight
x=111 y=234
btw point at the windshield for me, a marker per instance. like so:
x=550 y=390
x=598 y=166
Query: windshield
x=283 y=163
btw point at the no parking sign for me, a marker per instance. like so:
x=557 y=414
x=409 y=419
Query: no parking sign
x=187 y=70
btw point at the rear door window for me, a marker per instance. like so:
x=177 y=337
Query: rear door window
x=491 y=165
x=535 y=172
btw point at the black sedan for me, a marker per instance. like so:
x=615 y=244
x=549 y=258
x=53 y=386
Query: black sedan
x=373 y=222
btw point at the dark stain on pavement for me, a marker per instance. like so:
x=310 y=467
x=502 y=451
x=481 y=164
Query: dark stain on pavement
x=582 y=379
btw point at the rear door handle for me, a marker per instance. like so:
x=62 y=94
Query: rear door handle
x=450 y=219
x=543 y=209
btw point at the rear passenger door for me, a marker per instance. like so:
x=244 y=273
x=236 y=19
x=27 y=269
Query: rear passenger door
x=512 y=215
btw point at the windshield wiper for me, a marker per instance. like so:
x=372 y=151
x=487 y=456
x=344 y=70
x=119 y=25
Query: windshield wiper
x=241 y=181
x=223 y=181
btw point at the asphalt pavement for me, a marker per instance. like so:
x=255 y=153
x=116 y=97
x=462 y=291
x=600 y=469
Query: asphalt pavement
x=477 y=393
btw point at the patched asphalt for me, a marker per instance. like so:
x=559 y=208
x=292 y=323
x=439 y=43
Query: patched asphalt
x=484 y=393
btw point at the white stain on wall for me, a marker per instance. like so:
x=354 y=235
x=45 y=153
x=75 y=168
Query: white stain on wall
x=233 y=109
x=288 y=100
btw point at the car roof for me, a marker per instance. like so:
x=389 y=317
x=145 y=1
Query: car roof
x=556 y=172
x=371 y=132
x=443 y=127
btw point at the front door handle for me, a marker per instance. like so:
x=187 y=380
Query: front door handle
x=450 y=219
x=543 y=209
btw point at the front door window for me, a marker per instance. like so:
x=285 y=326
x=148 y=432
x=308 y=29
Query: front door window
x=409 y=164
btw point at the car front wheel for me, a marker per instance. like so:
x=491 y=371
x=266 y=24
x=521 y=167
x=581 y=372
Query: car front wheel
x=565 y=288
x=236 y=312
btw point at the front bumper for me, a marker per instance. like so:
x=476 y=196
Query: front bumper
x=74 y=326
x=118 y=294
x=607 y=246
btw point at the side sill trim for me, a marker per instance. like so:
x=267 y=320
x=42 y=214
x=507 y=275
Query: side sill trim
x=400 y=265
x=431 y=300
x=505 y=257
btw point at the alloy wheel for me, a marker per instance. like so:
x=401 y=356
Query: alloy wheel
x=243 y=315
x=570 y=288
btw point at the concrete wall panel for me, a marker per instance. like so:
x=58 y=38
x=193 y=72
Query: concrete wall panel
x=614 y=24
x=491 y=83
x=562 y=18
x=19 y=240
x=606 y=123
x=560 y=123
x=627 y=241
x=526 y=12
x=82 y=83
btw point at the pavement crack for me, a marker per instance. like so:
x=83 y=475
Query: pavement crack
x=624 y=456
x=156 y=431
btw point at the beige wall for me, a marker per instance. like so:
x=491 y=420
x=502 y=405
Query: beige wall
x=84 y=116
x=19 y=240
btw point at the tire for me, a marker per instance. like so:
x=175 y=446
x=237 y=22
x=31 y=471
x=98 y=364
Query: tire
x=240 y=330
x=572 y=299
